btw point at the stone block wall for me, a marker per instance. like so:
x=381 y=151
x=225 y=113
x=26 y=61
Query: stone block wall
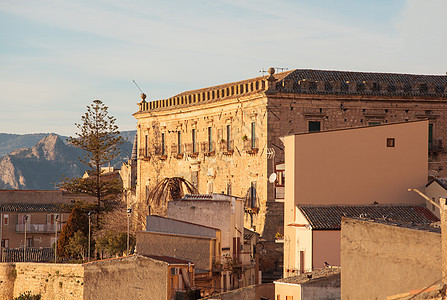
x=51 y=281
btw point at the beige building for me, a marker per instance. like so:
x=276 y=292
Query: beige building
x=381 y=258
x=319 y=284
x=435 y=189
x=317 y=231
x=225 y=138
x=365 y=165
x=37 y=223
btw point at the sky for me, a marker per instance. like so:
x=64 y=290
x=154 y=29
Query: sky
x=57 y=56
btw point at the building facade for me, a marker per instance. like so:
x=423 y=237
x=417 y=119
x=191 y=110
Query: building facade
x=225 y=138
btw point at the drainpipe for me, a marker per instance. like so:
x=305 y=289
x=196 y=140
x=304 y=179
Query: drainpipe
x=443 y=214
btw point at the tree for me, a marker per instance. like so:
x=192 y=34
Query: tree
x=78 y=245
x=166 y=190
x=99 y=137
x=77 y=221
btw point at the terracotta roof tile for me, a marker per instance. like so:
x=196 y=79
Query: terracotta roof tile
x=32 y=207
x=329 y=217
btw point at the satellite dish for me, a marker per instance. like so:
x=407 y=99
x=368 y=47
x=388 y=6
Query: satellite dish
x=272 y=178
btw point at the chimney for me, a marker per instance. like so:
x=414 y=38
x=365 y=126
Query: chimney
x=321 y=86
x=400 y=87
x=384 y=87
x=305 y=85
x=336 y=86
x=431 y=88
x=352 y=86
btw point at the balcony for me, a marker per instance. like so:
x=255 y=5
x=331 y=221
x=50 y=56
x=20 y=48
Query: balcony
x=38 y=228
x=160 y=151
x=191 y=149
x=176 y=151
x=143 y=153
x=226 y=147
x=208 y=148
x=251 y=145
x=435 y=146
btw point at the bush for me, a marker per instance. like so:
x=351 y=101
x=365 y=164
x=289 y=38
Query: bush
x=28 y=296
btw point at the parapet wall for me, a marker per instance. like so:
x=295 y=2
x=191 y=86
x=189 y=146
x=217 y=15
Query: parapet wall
x=51 y=281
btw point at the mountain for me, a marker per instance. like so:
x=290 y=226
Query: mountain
x=43 y=165
x=10 y=142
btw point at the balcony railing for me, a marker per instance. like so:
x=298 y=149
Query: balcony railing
x=226 y=147
x=36 y=228
x=208 y=148
x=191 y=149
x=251 y=146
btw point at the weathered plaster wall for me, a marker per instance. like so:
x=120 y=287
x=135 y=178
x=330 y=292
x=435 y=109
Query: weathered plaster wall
x=199 y=250
x=379 y=260
x=52 y=281
x=128 y=278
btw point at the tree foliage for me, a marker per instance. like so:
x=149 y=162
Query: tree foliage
x=77 y=221
x=168 y=189
x=78 y=245
x=99 y=137
x=115 y=243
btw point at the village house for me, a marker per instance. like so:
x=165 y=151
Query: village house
x=225 y=138
x=435 y=188
x=365 y=166
x=38 y=213
x=381 y=258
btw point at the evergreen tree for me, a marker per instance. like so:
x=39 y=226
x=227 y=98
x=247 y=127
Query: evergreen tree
x=99 y=137
x=77 y=221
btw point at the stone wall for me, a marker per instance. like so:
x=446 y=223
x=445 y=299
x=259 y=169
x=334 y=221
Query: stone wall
x=379 y=260
x=52 y=281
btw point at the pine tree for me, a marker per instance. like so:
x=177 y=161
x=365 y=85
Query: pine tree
x=99 y=137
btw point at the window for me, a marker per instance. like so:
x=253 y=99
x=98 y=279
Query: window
x=29 y=242
x=210 y=187
x=374 y=123
x=228 y=137
x=314 y=126
x=6 y=219
x=210 y=139
x=253 y=135
x=24 y=218
x=163 y=147
x=430 y=137
x=5 y=243
x=193 y=133
x=228 y=188
x=179 y=142
x=146 y=145
x=390 y=142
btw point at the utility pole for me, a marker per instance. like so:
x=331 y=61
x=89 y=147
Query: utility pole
x=55 y=235
x=24 y=243
x=89 y=232
x=129 y=211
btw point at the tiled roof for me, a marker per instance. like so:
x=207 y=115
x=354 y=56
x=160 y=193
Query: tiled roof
x=311 y=276
x=329 y=216
x=362 y=79
x=169 y=259
x=32 y=208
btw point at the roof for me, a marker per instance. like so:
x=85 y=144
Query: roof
x=441 y=181
x=362 y=79
x=311 y=276
x=328 y=217
x=170 y=260
x=308 y=81
x=32 y=207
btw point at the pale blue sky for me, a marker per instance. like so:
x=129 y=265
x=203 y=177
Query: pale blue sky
x=57 y=56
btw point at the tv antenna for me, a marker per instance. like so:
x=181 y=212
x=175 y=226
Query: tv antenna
x=138 y=86
x=280 y=69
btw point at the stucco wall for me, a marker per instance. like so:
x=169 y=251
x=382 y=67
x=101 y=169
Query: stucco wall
x=129 y=278
x=379 y=260
x=326 y=247
x=253 y=292
x=196 y=249
x=358 y=169
x=434 y=191
x=52 y=281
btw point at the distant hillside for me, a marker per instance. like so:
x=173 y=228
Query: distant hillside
x=10 y=142
x=42 y=165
